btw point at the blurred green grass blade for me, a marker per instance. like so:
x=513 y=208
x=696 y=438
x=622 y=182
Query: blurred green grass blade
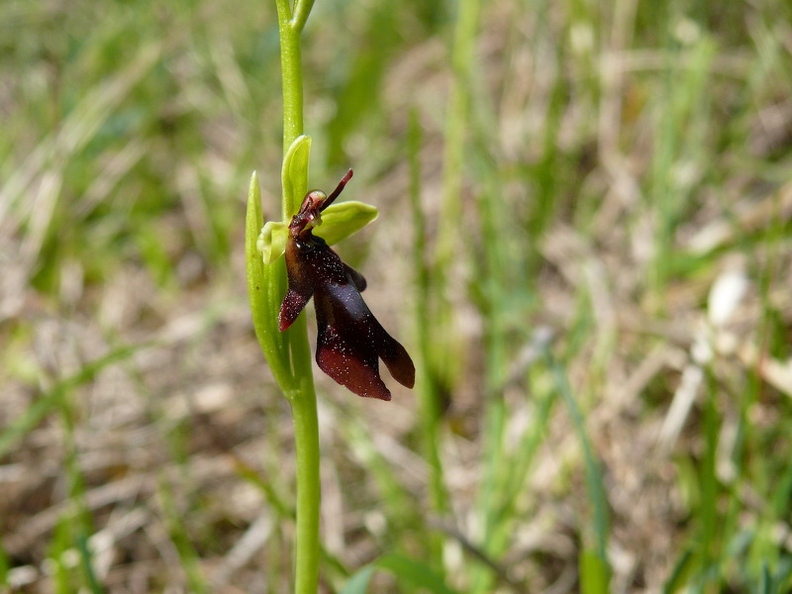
x=680 y=573
x=682 y=109
x=4 y=565
x=358 y=583
x=188 y=556
x=765 y=581
x=43 y=405
x=86 y=562
x=594 y=573
x=710 y=519
x=781 y=576
x=59 y=544
x=268 y=488
x=594 y=482
x=415 y=573
x=398 y=503
x=365 y=73
x=407 y=571
x=428 y=388
x=82 y=524
x=520 y=463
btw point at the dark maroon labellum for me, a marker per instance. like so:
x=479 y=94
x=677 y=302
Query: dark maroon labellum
x=351 y=340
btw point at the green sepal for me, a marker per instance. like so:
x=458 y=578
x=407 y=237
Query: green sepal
x=271 y=241
x=343 y=219
x=339 y=221
x=294 y=175
x=266 y=287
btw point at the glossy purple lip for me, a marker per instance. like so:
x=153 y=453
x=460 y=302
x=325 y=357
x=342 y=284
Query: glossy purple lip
x=350 y=340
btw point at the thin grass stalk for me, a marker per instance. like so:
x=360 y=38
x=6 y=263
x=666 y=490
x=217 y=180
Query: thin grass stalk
x=446 y=358
x=429 y=397
x=189 y=559
x=81 y=523
x=595 y=568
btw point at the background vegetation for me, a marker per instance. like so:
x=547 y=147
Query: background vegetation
x=584 y=241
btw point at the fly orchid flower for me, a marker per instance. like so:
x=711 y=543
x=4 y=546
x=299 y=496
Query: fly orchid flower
x=351 y=340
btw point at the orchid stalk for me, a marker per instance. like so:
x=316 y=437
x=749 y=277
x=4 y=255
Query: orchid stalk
x=288 y=353
x=350 y=340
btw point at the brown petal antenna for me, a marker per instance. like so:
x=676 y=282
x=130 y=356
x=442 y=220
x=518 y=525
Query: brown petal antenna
x=339 y=188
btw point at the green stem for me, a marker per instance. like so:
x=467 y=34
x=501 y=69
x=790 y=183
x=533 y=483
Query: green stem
x=301 y=392
x=291 y=72
x=306 y=436
x=302 y=8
